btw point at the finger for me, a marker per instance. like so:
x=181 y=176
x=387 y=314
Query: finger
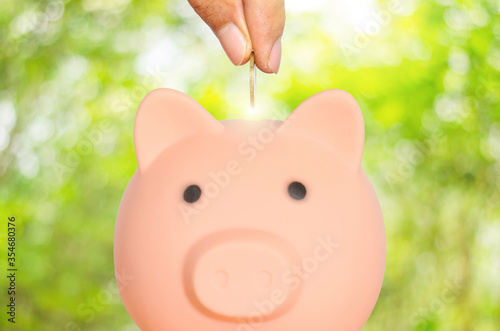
x=227 y=20
x=265 y=21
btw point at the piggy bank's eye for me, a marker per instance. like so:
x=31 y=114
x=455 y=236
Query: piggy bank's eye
x=192 y=193
x=297 y=190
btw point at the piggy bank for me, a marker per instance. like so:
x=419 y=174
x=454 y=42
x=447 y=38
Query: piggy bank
x=244 y=225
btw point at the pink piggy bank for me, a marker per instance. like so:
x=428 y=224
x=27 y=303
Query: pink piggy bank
x=249 y=225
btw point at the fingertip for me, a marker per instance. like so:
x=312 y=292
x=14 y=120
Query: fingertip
x=275 y=57
x=270 y=64
x=248 y=52
x=234 y=43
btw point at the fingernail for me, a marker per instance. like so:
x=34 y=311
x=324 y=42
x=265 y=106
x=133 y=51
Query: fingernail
x=275 y=57
x=233 y=42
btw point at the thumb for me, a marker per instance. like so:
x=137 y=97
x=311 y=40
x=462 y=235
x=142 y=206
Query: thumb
x=266 y=20
x=226 y=18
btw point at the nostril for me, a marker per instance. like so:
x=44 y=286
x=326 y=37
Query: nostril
x=264 y=279
x=221 y=279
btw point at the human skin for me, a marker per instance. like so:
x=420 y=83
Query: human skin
x=245 y=25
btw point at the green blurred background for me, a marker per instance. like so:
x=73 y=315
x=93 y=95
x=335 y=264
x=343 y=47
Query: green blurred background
x=427 y=77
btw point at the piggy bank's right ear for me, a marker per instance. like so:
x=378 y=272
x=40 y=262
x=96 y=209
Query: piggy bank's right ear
x=165 y=117
x=334 y=118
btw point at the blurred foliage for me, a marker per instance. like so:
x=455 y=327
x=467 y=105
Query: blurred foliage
x=427 y=77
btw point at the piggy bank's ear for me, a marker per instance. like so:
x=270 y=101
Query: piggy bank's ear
x=165 y=117
x=332 y=117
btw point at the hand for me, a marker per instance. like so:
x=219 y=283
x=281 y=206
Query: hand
x=243 y=25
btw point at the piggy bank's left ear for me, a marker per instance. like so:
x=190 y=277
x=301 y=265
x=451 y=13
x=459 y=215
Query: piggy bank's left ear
x=165 y=117
x=332 y=117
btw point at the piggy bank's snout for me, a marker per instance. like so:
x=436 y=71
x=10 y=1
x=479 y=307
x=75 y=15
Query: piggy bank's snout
x=239 y=274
